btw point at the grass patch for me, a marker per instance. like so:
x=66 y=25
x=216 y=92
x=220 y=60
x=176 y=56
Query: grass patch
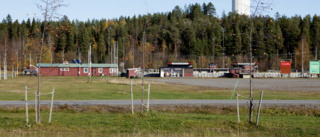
x=77 y=88
x=157 y=123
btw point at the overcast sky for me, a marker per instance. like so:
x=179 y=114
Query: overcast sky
x=98 y=9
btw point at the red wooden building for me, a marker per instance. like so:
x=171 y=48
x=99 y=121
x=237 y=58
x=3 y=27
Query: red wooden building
x=48 y=69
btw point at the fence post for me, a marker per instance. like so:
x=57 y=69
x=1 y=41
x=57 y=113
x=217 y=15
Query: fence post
x=238 y=108
x=35 y=105
x=26 y=99
x=260 y=101
x=131 y=96
x=148 y=97
x=51 y=104
x=234 y=89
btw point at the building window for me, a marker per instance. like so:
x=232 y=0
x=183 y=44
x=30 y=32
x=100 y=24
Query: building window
x=99 y=70
x=85 y=70
x=112 y=70
x=64 y=69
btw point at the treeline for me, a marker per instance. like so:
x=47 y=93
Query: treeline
x=192 y=33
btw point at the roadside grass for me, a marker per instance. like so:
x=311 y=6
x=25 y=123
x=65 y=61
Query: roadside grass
x=77 y=88
x=156 y=123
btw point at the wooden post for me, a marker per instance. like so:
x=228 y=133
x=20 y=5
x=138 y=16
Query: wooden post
x=260 y=101
x=131 y=96
x=238 y=108
x=148 y=98
x=26 y=99
x=51 y=104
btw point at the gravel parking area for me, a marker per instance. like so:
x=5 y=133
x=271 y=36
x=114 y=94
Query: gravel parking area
x=307 y=85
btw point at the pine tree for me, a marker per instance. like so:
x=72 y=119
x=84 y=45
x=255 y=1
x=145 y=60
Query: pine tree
x=101 y=49
x=315 y=36
x=83 y=38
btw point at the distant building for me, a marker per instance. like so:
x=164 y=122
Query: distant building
x=177 y=69
x=241 y=6
x=48 y=69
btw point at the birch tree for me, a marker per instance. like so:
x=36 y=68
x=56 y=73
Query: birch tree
x=48 y=9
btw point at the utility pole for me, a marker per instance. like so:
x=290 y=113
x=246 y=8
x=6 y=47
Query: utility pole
x=223 y=63
x=89 y=63
x=115 y=57
x=124 y=60
x=112 y=61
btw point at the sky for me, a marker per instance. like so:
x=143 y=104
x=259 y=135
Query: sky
x=106 y=9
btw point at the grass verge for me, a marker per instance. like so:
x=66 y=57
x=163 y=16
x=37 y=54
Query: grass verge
x=167 y=121
x=77 y=88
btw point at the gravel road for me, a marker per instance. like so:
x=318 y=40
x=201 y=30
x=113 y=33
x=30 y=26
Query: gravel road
x=243 y=84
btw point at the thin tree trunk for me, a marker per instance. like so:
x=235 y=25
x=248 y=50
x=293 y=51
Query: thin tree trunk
x=251 y=93
x=39 y=68
x=143 y=45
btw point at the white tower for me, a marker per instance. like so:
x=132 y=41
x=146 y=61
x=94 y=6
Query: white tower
x=241 y=7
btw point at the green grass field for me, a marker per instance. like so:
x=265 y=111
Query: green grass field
x=75 y=88
x=71 y=123
x=162 y=121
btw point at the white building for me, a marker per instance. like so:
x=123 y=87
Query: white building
x=241 y=6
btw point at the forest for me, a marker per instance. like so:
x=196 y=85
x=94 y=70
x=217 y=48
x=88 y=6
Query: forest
x=193 y=33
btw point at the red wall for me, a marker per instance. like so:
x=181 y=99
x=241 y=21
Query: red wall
x=72 y=72
x=132 y=73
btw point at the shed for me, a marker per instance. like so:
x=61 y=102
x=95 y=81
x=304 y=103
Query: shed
x=133 y=72
x=285 y=66
x=177 y=69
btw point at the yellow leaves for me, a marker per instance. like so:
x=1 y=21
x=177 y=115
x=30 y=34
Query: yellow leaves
x=123 y=22
x=95 y=45
x=46 y=55
x=271 y=21
x=105 y=25
x=113 y=41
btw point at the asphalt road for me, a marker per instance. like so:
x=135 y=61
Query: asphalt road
x=308 y=85
x=165 y=102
